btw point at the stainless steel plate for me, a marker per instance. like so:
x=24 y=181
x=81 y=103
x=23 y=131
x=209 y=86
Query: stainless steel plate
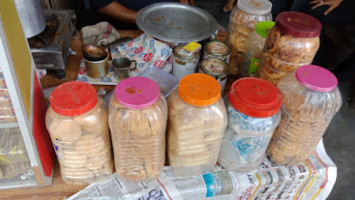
x=176 y=22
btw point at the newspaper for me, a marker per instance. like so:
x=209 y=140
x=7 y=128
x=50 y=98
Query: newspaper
x=311 y=179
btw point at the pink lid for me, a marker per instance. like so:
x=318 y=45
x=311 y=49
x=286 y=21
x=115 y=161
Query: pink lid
x=137 y=92
x=316 y=78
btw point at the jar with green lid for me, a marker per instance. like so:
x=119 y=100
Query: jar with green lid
x=254 y=48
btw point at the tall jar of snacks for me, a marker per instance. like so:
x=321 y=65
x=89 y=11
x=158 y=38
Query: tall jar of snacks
x=242 y=22
x=253 y=114
x=197 y=120
x=311 y=99
x=255 y=45
x=77 y=123
x=137 y=119
x=291 y=43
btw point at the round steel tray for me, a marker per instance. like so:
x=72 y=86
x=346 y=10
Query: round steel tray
x=176 y=22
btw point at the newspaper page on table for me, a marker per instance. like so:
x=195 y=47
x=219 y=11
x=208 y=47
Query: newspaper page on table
x=311 y=179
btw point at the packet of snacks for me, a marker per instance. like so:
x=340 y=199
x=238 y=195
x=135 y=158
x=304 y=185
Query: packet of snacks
x=145 y=50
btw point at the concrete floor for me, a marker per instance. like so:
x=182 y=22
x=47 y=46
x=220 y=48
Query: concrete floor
x=340 y=135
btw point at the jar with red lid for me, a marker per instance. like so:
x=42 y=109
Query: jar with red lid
x=310 y=101
x=253 y=114
x=77 y=123
x=291 y=43
x=242 y=22
x=137 y=119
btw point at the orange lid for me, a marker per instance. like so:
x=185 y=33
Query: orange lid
x=199 y=89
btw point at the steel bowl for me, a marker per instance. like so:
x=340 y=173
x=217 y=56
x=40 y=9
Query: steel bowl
x=176 y=22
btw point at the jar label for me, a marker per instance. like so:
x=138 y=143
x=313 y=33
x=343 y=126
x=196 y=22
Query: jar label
x=56 y=145
x=246 y=146
x=218 y=183
x=253 y=67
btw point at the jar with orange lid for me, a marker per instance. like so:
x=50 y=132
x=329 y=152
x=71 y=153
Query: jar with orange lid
x=291 y=43
x=253 y=114
x=138 y=115
x=242 y=22
x=77 y=123
x=197 y=120
x=311 y=98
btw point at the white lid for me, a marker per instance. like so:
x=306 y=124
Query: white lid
x=257 y=7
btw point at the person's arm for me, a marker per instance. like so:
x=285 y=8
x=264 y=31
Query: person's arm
x=119 y=12
x=188 y=2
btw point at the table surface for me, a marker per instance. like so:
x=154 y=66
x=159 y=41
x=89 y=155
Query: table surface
x=58 y=189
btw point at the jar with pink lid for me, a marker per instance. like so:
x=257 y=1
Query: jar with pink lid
x=311 y=98
x=137 y=119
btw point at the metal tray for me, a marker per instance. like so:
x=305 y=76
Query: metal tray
x=176 y=22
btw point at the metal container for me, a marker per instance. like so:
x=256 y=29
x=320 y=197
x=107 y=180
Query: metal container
x=183 y=62
x=216 y=68
x=96 y=69
x=31 y=16
x=217 y=49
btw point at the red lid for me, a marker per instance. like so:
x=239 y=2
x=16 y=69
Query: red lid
x=298 y=24
x=73 y=98
x=255 y=97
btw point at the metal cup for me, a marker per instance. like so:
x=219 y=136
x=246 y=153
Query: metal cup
x=122 y=67
x=96 y=69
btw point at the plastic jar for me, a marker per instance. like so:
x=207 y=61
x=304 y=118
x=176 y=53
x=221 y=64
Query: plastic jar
x=184 y=63
x=255 y=45
x=242 y=22
x=197 y=120
x=137 y=119
x=253 y=115
x=311 y=99
x=291 y=43
x=77 y=123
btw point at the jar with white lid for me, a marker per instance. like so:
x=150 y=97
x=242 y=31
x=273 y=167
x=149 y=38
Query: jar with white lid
x=197 y=120
x=253 y=114
x=311 y=99
x=242 y=22
x=77 y=123
x=255 y=45
x=137 y=119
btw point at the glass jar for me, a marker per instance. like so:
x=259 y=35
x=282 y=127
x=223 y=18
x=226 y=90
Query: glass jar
x=255 y=45
x=217 y=49
x=216 y=68
x=197 y=120
x=311 y=99
x=137 y=119
x=184 y=63
x=242 y=22
x=77 y=123
x=253 y=115
x=291 y=43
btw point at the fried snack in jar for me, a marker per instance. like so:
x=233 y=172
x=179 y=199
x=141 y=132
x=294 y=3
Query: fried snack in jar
x=242 y=22
x=77 y=123
x=197 y=120
x=291 y=43
x=137 y=119
x=253 y=115
x=311 y=99
x=254 y=48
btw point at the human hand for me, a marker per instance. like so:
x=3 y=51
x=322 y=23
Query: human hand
x=188 y=2
x=331 y=3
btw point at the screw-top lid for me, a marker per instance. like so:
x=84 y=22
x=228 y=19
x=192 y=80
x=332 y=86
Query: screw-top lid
x=199 y=89
x=257 y=7
x=73 y=98
x=262 y=28
x=255 y=97
x=137 y=92
x=316 y=78
x=213 y=66
x=217 y=48
x=297 y=24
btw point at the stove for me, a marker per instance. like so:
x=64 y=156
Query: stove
x=50 y=48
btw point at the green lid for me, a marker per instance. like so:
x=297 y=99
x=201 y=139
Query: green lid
x=262 y=28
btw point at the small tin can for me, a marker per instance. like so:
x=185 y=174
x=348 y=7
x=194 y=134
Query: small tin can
x=217 y=49
x=216 y=68
x=184 y=63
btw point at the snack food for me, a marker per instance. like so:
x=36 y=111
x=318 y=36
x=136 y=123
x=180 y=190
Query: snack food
x=242 y=22
x=311 y=99
x=137 y=120
x=197 y=120
x=77 y=123
x=291 y=43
